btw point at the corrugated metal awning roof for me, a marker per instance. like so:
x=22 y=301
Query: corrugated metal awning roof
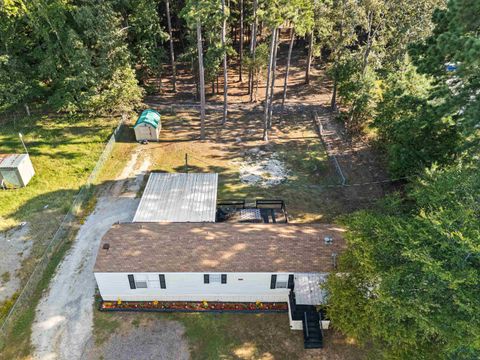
x=178 y=198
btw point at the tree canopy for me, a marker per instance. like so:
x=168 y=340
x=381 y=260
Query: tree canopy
x=410 y=279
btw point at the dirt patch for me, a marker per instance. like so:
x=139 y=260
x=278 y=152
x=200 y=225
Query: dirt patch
x=15 y=246
x=155 y=340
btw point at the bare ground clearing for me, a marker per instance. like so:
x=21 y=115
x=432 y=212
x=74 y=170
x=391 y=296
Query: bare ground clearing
x=15 y=247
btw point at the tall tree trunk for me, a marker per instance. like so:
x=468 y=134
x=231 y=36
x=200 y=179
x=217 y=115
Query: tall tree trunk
x=267 y=85
x=309 y=60
x=274 y=69
x=256 y=86
x=159 y=77
x=337 y=49
x=225 y=74
x=333 y=102
x=172 y=53
x=253 y=44
x=201 y=76
x=366 y=54
x=287 y=70
x=240 y=68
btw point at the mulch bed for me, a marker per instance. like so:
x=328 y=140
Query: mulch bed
x=184 y=306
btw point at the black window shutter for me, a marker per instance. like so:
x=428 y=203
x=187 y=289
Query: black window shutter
x=224 y=278
x=290 y=281
x=131 y=280
x=206 y=279
x=273 y=282
x=163 y=285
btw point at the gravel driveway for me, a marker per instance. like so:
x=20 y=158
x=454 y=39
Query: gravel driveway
x=63 y=321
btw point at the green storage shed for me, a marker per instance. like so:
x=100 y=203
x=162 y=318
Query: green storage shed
x=148 y=126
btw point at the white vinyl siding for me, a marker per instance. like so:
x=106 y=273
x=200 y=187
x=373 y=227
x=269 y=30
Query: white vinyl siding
x=246 y=287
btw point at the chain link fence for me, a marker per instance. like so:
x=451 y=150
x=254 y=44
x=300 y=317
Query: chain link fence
x=13 y=115
x=330 y=154
x=65 y=229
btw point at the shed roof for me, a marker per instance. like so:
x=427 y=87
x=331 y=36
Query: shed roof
x=179 y=198
x=11 y=161
x=219 y=247
x=150 y=117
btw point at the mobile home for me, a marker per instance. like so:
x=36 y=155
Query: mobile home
x=222 y=262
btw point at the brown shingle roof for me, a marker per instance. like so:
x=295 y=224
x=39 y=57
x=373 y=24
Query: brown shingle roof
x=218 y=247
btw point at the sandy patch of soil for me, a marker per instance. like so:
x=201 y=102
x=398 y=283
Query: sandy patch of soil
x=15 y=246
x=262 y=169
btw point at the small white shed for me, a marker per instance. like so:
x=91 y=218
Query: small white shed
x=148 y=126
x=16 y=169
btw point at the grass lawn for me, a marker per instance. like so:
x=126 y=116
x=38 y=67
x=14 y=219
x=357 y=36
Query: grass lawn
x=232 y=336
x=308 y=199
x=63 y=150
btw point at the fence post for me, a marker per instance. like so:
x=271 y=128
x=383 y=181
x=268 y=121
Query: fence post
x=328 y=150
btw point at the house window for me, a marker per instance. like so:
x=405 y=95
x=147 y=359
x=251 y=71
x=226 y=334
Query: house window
x=215 y=278
x=282 y=281
x=153 y=281
x=279 y=282
x=141 y=282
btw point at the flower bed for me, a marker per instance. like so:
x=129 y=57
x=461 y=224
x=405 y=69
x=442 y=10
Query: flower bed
x=184 y=306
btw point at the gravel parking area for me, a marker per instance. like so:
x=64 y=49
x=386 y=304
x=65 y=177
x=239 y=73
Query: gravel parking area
x=157 y=340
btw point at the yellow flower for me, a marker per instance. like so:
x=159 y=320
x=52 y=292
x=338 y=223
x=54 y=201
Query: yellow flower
x=119 y=301
x=155 y=302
